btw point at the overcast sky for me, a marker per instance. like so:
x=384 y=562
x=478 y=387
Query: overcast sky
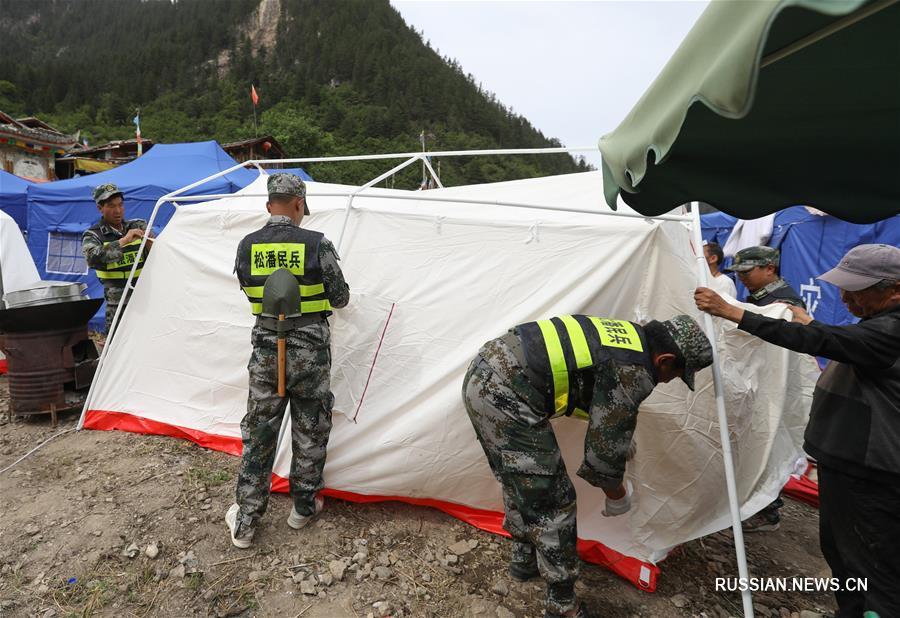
x=574 y=69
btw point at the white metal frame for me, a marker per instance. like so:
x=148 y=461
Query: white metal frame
x=412 y=157
x=728 y=459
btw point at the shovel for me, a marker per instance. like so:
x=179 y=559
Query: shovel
x=281 y=298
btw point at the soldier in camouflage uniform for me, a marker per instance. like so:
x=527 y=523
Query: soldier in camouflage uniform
x=314 y=262
x=110 y=246
x=597 y=369
x=757 y=268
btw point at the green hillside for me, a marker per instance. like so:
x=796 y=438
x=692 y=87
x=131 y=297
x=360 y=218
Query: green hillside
x=334 y=77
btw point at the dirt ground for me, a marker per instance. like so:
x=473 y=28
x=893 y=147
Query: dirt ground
x=103 y=523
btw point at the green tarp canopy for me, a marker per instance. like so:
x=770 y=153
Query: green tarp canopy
x=769 y=104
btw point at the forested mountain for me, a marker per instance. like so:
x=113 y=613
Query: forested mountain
x=333 y=76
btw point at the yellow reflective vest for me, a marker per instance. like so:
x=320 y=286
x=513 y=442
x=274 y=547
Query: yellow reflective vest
x=558 y=348
x=115 y=273
x=282 y=245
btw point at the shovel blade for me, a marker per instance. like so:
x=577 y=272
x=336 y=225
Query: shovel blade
x=281 y=294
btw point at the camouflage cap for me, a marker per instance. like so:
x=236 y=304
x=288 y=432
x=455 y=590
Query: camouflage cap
x=693 y=345
x=287 y=184
x=751 y=257
x=104 y=192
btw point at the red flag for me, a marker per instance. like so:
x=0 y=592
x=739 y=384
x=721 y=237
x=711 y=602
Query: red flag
x=253 y=96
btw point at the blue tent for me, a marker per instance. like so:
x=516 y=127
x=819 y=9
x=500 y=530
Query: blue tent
x=810 y=245
x=59 y=212
x=13 y=198
x=717 y=226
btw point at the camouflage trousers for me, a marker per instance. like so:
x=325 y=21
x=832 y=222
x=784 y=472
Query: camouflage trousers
x=307 y=382
x=113 y=296
x=538 y=496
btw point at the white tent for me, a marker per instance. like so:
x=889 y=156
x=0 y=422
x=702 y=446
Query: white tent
x=430 y=283
x=17 y=270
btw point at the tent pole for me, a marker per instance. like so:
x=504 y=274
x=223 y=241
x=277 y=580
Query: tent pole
x=417 y=196
x=258 y=163
x=727 y=458
x=437 y=153
x=369 y=184
x=168 y=196
x=437 y=179
x=827 y=31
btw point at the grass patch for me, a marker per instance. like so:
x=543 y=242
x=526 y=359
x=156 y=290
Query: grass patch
x=140 y=584
x=193 y=581
x=208 y=477
x=83 y=598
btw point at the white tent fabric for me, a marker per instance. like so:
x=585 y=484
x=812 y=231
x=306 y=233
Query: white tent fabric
x=435 y=281
x=17 y=270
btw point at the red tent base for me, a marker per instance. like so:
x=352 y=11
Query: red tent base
x=802 y=488
x=3 y=367
x=642 y=574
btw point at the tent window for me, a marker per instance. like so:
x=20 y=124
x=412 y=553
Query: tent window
x=64 y=254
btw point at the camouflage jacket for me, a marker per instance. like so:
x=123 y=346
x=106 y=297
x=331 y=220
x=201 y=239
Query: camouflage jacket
x=611 y=393
x=336 y=289
x=97 y=241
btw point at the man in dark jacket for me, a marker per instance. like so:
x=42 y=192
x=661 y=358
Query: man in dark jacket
x=854 y=423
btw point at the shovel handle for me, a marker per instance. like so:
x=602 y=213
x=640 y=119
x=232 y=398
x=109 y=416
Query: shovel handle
x=282 y=354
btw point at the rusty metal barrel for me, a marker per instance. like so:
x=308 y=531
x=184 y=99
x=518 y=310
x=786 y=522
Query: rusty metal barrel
x=49 y=354
x=40 y=364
